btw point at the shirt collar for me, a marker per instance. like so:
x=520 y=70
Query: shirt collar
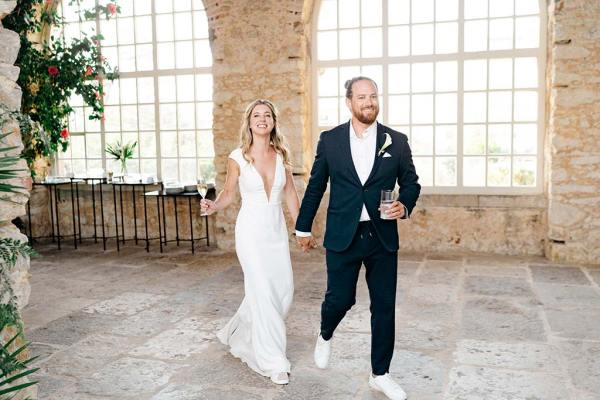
x=367 y=133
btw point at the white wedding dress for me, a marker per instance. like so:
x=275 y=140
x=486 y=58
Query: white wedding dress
x=256 y=333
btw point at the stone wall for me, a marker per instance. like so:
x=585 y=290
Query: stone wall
x=573 y=135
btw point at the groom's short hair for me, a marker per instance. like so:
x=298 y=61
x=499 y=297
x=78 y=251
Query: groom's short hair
x=350 y=82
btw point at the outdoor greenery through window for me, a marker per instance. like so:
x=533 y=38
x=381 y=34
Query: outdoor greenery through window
x=162 y=99
x=463 y=79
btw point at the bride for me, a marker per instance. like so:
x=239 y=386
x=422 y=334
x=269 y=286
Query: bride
x=262 y=168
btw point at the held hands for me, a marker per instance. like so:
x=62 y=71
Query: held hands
x=208 y=207
x=306 y=243
x=395 y=211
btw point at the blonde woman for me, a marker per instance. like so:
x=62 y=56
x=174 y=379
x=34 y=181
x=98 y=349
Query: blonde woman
x=261 y=167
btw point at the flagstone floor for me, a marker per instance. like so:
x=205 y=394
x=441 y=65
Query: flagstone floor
x=133 y=325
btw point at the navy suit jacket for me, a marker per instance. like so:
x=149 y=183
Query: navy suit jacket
x=333 y=164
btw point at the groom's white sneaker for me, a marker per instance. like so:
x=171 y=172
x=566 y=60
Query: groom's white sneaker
x=322 y=352
x=385 y=384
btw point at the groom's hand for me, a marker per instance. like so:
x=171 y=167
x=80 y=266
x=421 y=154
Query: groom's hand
x=396 y=210
x=306 y=243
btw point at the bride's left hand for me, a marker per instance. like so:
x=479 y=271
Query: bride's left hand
x=208 y=207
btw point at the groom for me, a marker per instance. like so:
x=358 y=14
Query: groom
x=359 y=159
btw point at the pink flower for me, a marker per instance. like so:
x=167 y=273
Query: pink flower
x=53 y=70
x=98 y=96
x=48 y=2
x=64 y=133
x=112 y=8
x=89 y=71
x=102 y=118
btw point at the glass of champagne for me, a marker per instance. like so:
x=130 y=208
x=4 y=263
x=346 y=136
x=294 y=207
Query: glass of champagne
x=202 y=189
x=387 y=198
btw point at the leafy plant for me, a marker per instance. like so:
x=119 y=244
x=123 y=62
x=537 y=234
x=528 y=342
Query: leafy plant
x=121 y=152
x=13 y=369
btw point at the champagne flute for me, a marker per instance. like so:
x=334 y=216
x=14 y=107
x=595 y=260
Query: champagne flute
x=202 y=189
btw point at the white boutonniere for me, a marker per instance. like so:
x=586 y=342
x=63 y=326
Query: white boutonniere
x=386 y=143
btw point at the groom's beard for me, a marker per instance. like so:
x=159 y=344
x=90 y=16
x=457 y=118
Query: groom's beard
x=365 y=116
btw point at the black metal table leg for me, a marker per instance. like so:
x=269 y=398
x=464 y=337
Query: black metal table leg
x=94 y=211
x=146 y=218
x=73 y=214
x=134 y=215
x=206 y=227
x=164 y=220
x=176 y=220
x=102 y=217
x=159 y=225
x=122 y=222
x=191 y=223
x=116 y=217
x=56 y=200
x=51 y=212
x=78 y=210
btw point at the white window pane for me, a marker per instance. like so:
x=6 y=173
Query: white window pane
x=474 y=107
x=422 y=140
x=349 y=13
x=501 y=8
x=424 y=168
x=202 y=53
x=374 y=72
x=349 y=44
x=348 y=73
x=143 y=7
x=525 y=107
x=147 y=121
x=164 y=28
x=446 y=38
x=78 y=167
x=168 y=112
x=168 y=144
x=525 y=138
x=398 y=41
x=79 y=119
x=476 y=9
x=163 y=6
x=183 y=26
x=476 y=35
x=148 y=167
x=371 y=13
x=187 y=170
x=204 y=115
x=328 y=15
x=182 y=5
x=498 y=171
x=166 y=55
x=526 y=72
x=445 y=171
x=169 y=170
x=200 y=25
x=398 y=12
x=111 y=54
x=399 y=78
x=187 y=144
x=144 y=57
x=524 y=171
x=327 y=45
x=445 y=108
x=474 y=139
x=78 y=146
x=328 y=112
x=475 y=75
x=129 y=118
x=185 y=116
x=446 y=10
x=112 y=118
x=147 y=144
x=500 y=107
x=446 y=76
x=327 y=82
x=128 y=90
x=206 y=168
x=111 y=92
x=91 y=125
x=126 y=58
x=527 y=32
x=525 y=7
x=501 y=73
x=145 y=87
x=205 y=144
x=501 y=34
x=372 y=42
x=166 y=89
x=184 y=54
x=399 y=110
x=143 y=29
x=125 y=6
x=422 y=11
x=344 y=112
x=94 y=167
x=185 y=88
x=204 y=87
x=422 y=39
x=499 y=138
x=109 y=31
x=422 y=109
x=445 y=140
x=474 y=171
x=422 y=77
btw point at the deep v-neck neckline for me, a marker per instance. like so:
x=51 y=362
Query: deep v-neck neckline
x=268 y=195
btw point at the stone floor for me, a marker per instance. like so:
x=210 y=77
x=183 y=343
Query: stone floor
x=133 y=325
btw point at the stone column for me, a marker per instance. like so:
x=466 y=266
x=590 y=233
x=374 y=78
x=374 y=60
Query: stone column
x=259 y=50
x=573 y=134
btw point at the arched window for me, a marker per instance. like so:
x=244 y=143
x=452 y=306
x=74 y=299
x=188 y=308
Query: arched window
x=463 y=79
x=163 y=97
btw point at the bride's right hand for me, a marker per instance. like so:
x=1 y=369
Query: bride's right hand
x=208 y=207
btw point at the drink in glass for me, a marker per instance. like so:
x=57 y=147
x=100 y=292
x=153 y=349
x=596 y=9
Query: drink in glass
x=387 y=198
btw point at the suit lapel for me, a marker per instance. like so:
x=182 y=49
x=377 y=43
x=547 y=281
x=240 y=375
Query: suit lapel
x=345 y=151
x=380 y=141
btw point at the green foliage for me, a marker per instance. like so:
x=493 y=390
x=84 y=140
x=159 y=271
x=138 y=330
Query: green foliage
x=53 y=72
x=12 y=368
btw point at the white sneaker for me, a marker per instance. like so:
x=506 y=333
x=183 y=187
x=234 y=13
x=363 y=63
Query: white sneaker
x=385 y=384
x=322 y=352
x=281 y=378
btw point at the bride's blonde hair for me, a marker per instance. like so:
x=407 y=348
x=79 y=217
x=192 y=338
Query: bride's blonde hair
x=277 y=140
